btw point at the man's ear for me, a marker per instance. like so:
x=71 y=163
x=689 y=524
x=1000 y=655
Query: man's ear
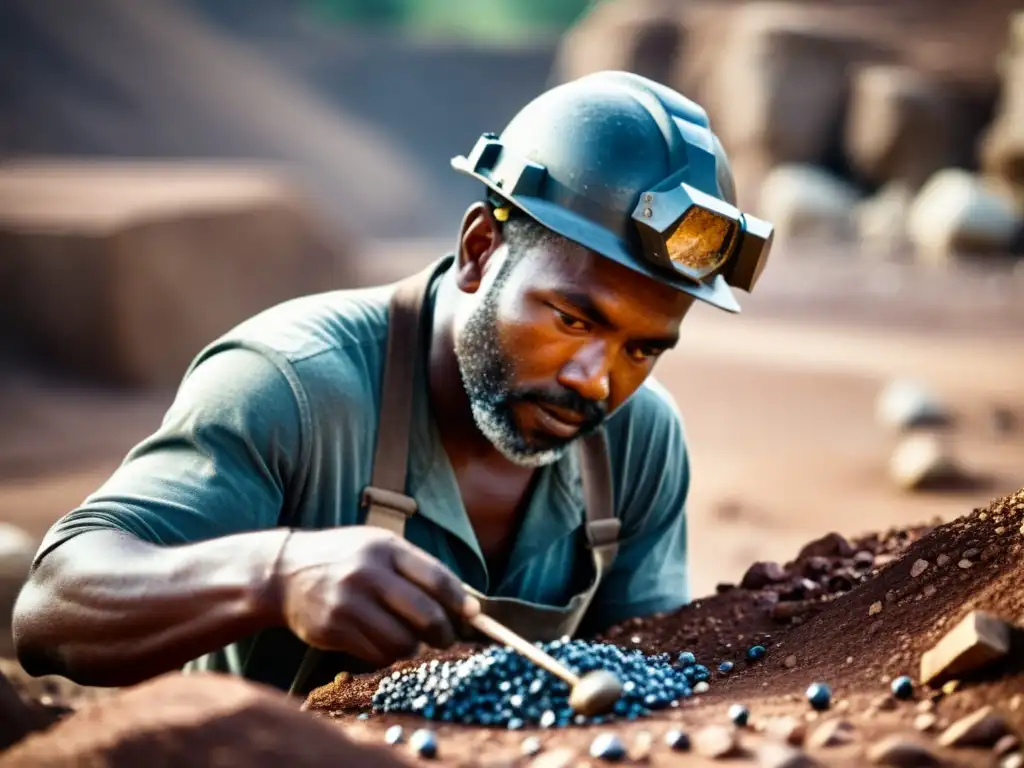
x=479 y=238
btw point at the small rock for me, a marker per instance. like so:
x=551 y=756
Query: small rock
x=829 y=545
x=975 y=642
x=949 y=688
x=761 y=575
x=640 y=750
x=904 y=405
x=898 y=751
x=1007 y=744
x=970 y=554
x=925 y=721
x=1000 y=530
x=607 y=746
x=739 y=714
x=787 y=729
x=942 y=560
x=925 y=706
x=923 y=461
x=775 y=755
x=394 y=735
x=424 y=743
x=701 y=687
x=1016 y=702
x=929 y=590
x=862 y=560
x=556 y=758
x=1013 y=760
x=790 y=662
x=919 y=567
x=715 y=741
x=965 y=564
x=831 y=733
x=875 y=608
x=980 y=729
x=531 y=746
x=677 y=740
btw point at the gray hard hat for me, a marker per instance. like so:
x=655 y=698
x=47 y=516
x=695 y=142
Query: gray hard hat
x=631 y=170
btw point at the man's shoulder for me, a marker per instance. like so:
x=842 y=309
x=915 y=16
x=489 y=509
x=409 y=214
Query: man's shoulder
x=340 y=321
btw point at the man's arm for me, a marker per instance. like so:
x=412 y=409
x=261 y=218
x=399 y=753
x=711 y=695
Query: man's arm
x=177 y=554
x=652 y=480
x=106 y=608
x=120 y=589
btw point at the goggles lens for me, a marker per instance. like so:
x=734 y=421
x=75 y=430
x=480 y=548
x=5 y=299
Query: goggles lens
x=702 y=241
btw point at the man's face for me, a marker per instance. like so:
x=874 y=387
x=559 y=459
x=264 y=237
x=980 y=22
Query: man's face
x=554 y=340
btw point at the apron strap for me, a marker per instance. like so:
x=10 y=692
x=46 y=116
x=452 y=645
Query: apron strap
x=602 y=526
x=388 y=506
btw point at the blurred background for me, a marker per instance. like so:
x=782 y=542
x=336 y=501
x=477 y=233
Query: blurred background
x=170 y=167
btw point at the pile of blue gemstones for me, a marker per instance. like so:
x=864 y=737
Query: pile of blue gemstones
x=499 y=687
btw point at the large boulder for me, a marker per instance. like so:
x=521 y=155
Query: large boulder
x=646 y=38
x=181 y=721
x=123 y=272
x=803 y=201
x=899 y=125
x=1001 y=148
x=958 y=213
x=782 y=81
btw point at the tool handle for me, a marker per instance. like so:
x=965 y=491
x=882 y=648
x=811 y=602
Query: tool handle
x=503 y=634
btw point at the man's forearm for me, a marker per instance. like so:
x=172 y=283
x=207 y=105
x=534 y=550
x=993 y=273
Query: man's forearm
x=105 y=608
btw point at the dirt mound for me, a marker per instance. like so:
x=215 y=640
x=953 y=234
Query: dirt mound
x=853 y=614
x=203 y=720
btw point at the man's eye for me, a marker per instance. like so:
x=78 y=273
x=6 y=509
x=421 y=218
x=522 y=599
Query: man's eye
x=640 y=354
x=571 y=322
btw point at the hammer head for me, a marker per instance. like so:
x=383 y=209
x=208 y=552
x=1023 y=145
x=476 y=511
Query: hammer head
x=596 y=692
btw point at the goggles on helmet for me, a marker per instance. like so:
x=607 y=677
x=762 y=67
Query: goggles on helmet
x=698 y=235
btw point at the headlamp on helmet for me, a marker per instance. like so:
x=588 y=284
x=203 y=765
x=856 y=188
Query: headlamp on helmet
x=698 y=235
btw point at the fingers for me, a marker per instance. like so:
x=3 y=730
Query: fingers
x=437 y=581
x=382 y=637
x=417 y=609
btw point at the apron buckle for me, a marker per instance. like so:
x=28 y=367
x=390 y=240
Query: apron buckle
x=388 y=509
x=603 y=532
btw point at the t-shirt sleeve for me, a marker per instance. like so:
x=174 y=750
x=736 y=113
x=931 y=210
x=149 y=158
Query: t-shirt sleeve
x=220 y=462
x=652 y=478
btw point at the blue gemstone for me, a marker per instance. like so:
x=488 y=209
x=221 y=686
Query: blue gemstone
x=903 y=687
x=394 y=734
x=739 y=714
x=819 y=696
x=424 y=743
x=725 y=667
x=514 y=724
x=686 y=659
x=756 y=653
x=677 y=740
x=607 y=746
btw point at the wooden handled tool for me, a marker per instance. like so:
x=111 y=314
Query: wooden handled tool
x=593 y=693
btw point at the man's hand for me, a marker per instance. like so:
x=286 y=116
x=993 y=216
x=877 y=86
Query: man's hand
x=367 y=592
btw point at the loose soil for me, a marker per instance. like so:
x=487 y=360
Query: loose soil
x=819 y=613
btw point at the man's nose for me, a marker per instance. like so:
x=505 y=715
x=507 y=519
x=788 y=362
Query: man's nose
x=587 y=373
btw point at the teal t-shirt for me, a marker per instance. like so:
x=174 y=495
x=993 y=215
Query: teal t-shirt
x=275 y=424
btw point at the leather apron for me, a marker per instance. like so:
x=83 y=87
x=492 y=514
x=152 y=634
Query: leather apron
x=389 y=507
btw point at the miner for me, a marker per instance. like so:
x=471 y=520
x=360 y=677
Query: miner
x=350 y=474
